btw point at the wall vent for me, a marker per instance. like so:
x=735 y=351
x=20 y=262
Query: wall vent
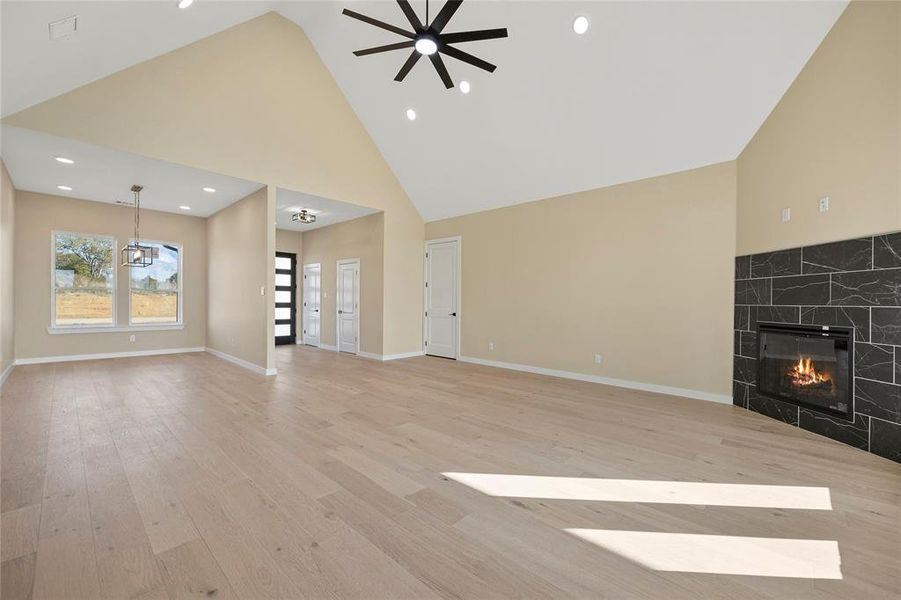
x=63 y=28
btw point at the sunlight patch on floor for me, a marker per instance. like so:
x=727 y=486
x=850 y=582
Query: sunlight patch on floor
x=642 y=490
x=721 y=554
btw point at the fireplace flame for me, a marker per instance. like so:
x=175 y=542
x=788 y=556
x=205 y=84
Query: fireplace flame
x=804 y=373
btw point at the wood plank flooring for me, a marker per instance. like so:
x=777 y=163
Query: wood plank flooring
x=184 y=476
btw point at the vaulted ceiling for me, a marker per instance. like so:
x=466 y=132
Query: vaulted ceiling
x=651 y=88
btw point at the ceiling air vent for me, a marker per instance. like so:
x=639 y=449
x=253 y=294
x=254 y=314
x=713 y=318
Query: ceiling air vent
x=63 y=28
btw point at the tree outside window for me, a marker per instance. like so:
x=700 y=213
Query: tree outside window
x=84 y=280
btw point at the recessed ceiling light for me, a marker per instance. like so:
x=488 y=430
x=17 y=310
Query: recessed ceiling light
x=185 y=3
x=580 y=24
x=64 y=160
x=184 y=208
x=64 y=188
x=209 y=190
x=411 y=114
x=464 y=87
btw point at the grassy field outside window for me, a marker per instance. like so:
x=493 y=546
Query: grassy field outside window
x=155 y=290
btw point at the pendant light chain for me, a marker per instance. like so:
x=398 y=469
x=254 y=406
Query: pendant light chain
x=137 y=217
x=426 y=14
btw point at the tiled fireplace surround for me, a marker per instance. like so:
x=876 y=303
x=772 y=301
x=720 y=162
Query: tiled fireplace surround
x=855 y=283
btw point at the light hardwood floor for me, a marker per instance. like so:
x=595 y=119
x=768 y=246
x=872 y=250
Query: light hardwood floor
x=185 y=476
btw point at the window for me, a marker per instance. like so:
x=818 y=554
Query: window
x=155 y=294
x=83 y=280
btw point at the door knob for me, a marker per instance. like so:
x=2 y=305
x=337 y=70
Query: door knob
x=340 y=312
x=315 y=310
x=453 y=314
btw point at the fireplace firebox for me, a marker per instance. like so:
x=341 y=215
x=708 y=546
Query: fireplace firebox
x=807 y=365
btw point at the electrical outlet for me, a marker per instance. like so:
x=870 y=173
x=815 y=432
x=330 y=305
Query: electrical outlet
x=824 y=204
x=131 y=338
x=491 y=345
x=597 y=359
x=262 y=290
x=786 y=215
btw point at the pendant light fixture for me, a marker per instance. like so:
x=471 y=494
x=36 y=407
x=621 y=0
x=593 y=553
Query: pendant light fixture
x=134 y=254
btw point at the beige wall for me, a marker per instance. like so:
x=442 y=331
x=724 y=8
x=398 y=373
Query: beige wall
x=238 y=251
x=289 y=241
x=360 y=238
x=640 y=273
x=835 y=133
x=296 y=130
x=37 y=215
x=7 y=271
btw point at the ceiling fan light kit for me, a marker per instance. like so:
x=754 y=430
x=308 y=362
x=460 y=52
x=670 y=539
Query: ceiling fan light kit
x=429 y=40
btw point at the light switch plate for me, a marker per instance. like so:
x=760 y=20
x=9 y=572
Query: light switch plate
x=786 y=215
x=824 y=204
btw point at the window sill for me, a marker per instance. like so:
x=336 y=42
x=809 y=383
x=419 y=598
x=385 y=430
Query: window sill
x=129 y=329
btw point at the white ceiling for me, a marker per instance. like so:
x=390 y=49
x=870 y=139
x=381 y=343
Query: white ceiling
x=105 y=175
x=328 y=212
x=652 y=88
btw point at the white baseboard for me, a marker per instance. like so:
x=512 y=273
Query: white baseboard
x=243 y=363
x=385 y=357
x=74 y=357
x=402 y=355
x=623 y=383
x=327 y=347
x=6 y=372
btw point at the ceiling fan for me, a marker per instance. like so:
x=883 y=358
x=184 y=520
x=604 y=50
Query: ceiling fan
x=427 y=39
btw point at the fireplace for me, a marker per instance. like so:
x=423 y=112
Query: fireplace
x=807 y=365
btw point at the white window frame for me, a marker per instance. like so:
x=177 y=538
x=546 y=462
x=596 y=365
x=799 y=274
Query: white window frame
x=178 y=323
x=87 y=326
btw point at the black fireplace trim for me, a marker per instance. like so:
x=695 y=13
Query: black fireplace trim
x=846 y=333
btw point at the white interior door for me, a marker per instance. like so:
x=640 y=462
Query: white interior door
x=441 y=297
x=348 y=317
x=312 y=277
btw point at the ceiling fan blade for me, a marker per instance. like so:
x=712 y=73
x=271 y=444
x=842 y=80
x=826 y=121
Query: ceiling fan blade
x=473 y=36
x=444 y=15
x=411 y=14
x=467 y=58
x=407 y=66
x=386 y=48
x=377 y=23
x=442 y=70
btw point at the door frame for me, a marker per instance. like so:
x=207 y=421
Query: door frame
x=425 y=291
x=292 y=338
x=303 y=301
x=359 y=277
